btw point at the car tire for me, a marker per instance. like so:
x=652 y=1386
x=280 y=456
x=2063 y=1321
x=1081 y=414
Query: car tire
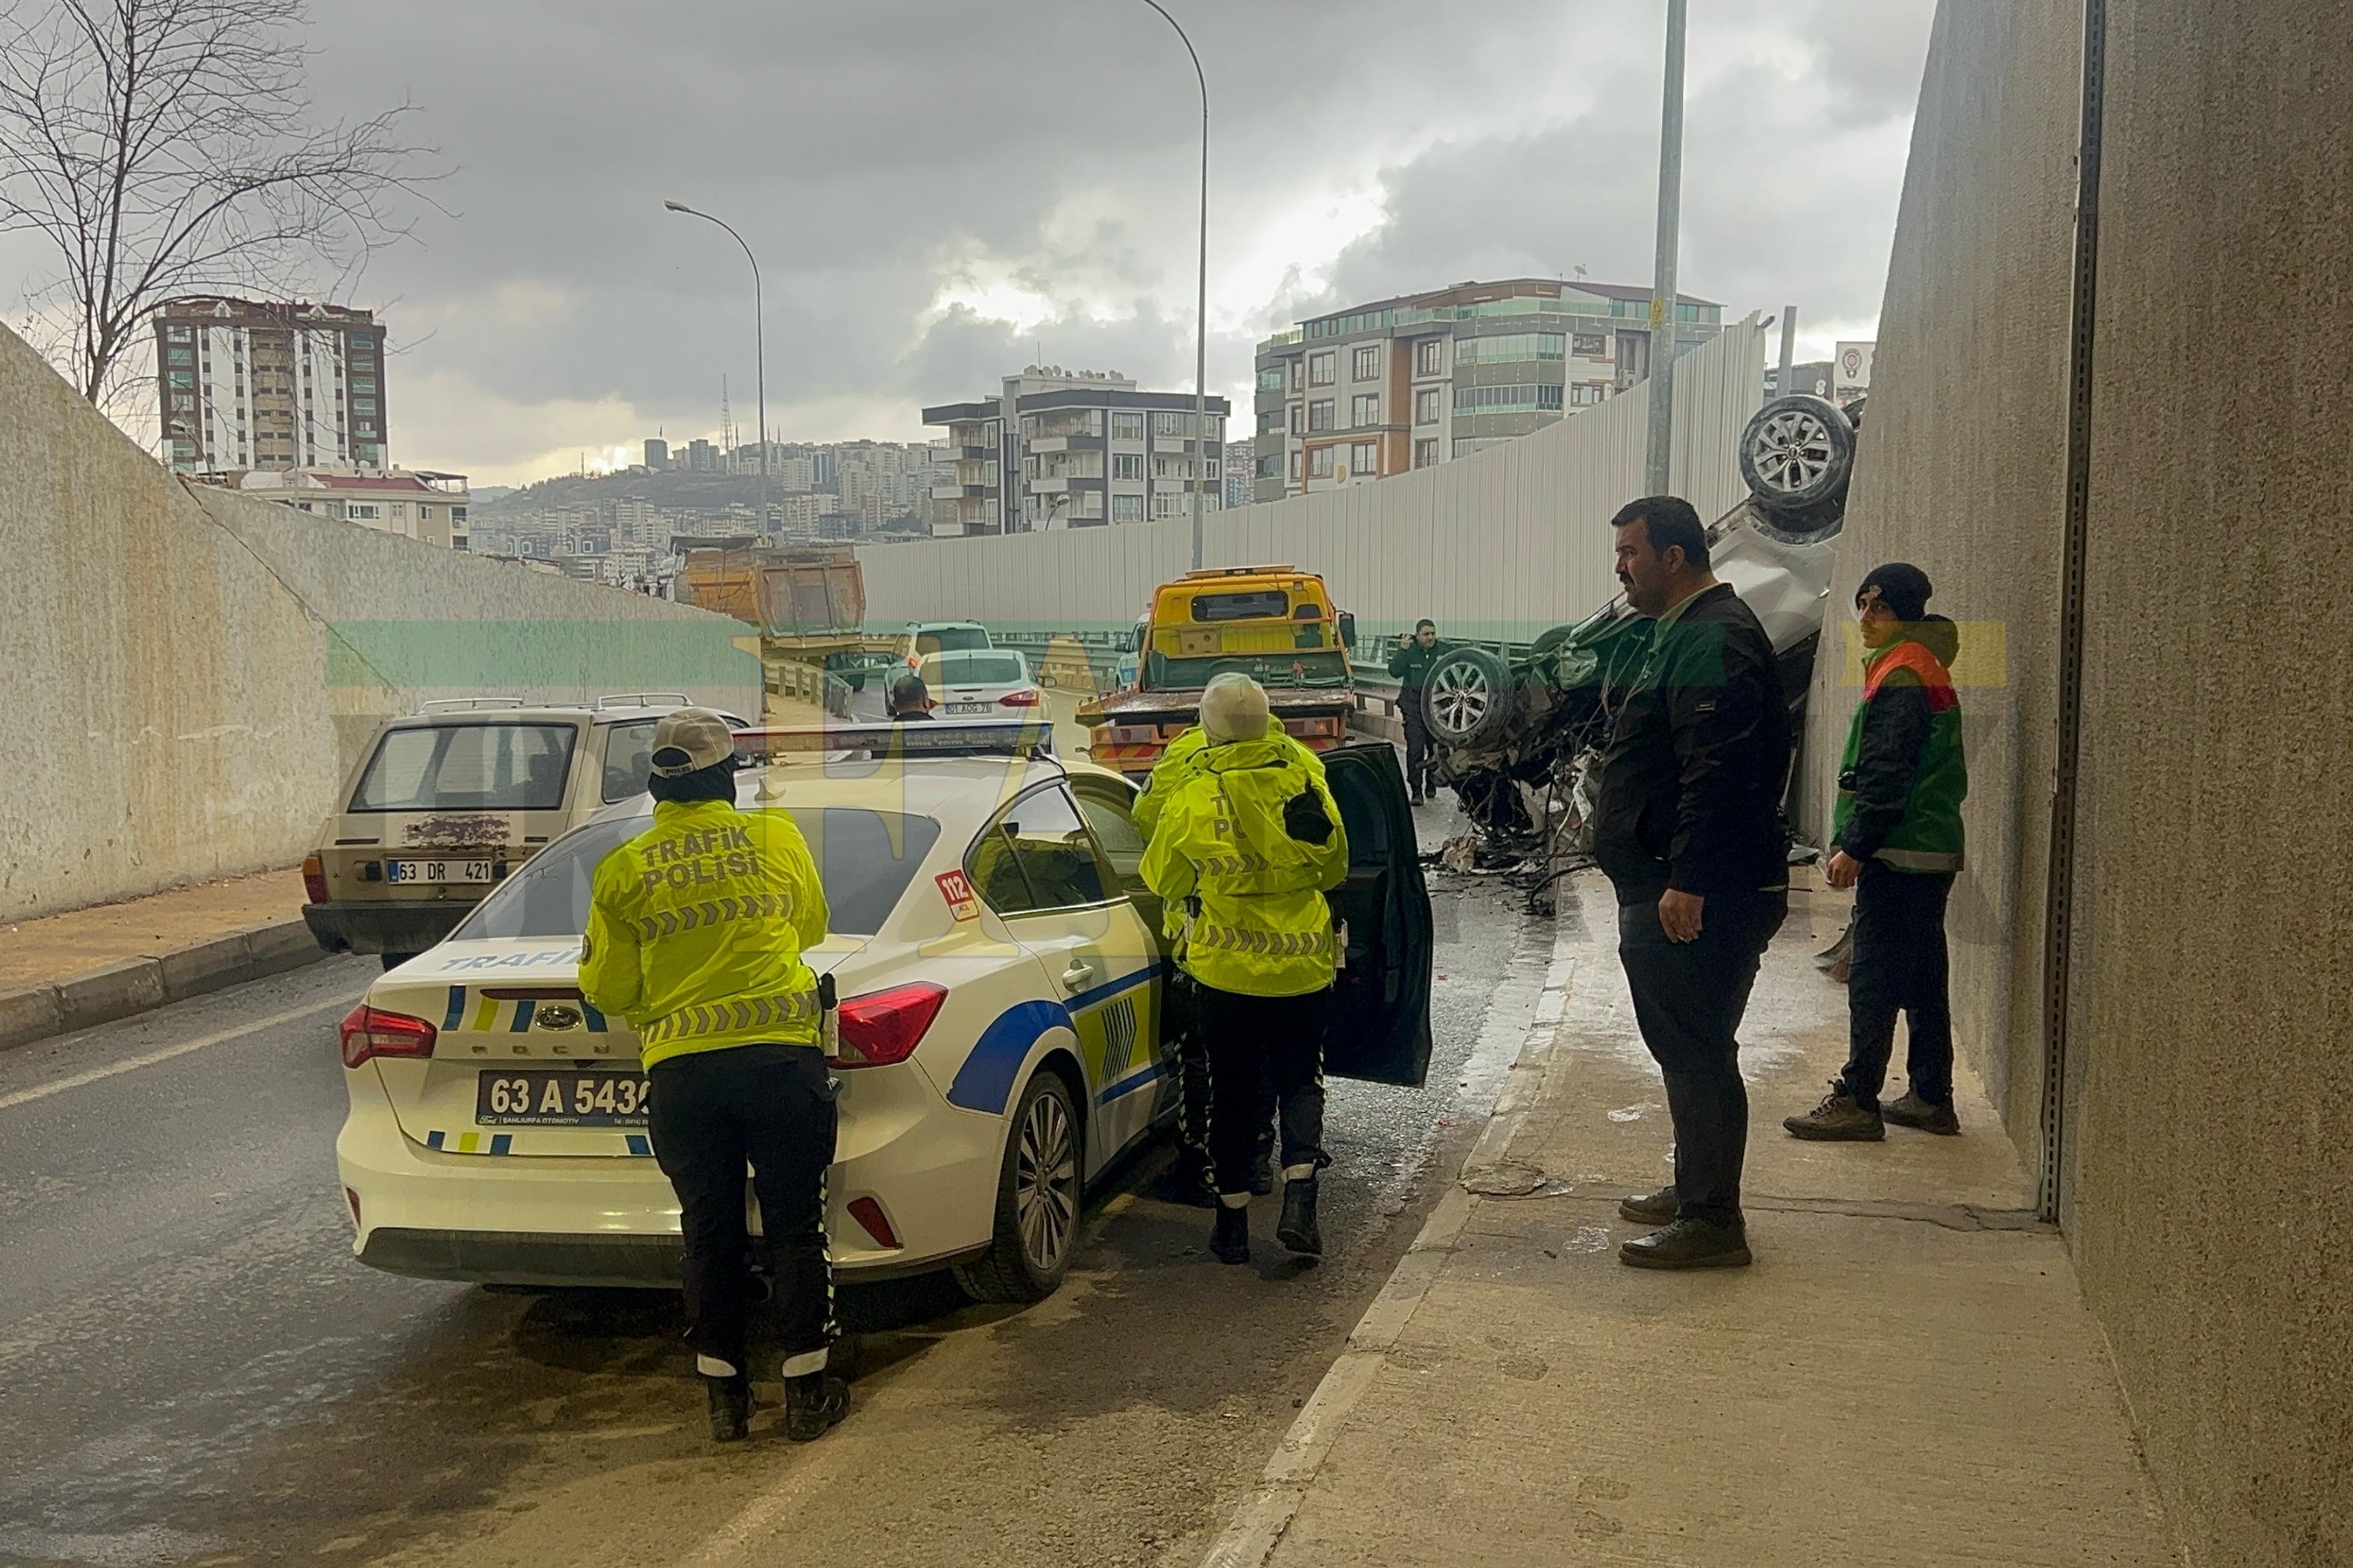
x=1037 y=1219
x=1468 y=700
x=1797 y=455
x=395 y=960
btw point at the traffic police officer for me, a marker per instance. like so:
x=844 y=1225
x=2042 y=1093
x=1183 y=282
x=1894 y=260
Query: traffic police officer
x=1191 y=1179
x=1246 y=838
x=696 y=934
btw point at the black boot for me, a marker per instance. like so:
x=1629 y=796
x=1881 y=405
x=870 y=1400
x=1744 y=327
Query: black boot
x=1652 y=1208
x=1229 y=1238
x=1689 y=1244
x=1297 y=1229
x=731 y=1406
x=813 y=1403
x=1186 y=1181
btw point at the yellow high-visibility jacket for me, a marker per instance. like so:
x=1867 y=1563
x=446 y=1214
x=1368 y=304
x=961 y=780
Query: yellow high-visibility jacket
x=1262 y=927
x=696 y=930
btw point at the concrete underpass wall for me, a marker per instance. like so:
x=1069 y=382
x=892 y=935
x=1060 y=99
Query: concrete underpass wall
x=2207 y=1176
x=190 y=672
x=1501 y=544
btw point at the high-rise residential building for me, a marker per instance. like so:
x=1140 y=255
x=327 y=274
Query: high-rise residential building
x=1241 y=468
x=656 y=454
x=1071 y=450
x=1403 y=383
x=243 y=385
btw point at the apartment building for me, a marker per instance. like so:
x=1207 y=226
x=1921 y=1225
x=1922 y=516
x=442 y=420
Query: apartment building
x=1404 y=383
x=243 y=385
x=1058 y=448
x=417 y=504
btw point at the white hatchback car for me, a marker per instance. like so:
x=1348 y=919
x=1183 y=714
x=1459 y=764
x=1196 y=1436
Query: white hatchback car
x=1001 y=1037
x=979 y=683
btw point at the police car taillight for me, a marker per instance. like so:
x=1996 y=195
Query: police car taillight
x=372 y=1032
x=885 y=1026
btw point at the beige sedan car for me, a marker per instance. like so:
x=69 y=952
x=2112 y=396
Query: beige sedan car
x=445 y=802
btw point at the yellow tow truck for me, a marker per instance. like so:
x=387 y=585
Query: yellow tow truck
x=1274 y=624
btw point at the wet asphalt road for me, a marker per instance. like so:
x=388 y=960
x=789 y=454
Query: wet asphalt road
x=193 y=1370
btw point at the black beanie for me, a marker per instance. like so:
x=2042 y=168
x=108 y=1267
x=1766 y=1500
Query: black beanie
x=1902 y=588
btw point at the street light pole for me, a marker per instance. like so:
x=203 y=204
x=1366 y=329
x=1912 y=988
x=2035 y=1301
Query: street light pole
x=1200 y=303
x=1664 y=296
x=759 y=342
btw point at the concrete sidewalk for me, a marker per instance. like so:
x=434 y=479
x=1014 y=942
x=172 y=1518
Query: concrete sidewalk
x=1906 y=1375
x=61 y=973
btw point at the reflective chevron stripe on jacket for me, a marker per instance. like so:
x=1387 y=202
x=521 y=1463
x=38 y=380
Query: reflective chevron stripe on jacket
x=730 y=1017
x=1273 y=943
x=754 y=905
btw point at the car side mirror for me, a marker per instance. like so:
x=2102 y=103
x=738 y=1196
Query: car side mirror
x=1348 y=631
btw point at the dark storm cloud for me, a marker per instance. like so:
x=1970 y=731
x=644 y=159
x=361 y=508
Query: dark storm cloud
x=871 y=151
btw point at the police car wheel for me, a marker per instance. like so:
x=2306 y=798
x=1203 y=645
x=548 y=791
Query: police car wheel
x=1036 y=1201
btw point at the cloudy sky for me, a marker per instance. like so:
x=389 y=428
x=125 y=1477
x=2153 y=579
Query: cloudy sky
x=941 y=191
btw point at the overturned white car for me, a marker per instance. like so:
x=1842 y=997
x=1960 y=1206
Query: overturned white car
x=1538 y=718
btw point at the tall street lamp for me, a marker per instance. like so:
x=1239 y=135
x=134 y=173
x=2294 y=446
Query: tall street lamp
x=1665 y=298
x=1200 y=303
x=760 y=345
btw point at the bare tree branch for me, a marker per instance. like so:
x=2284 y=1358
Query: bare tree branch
x=167 y=147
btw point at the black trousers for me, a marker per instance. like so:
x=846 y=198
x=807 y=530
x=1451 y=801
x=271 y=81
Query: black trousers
x=1193 y=1086
x=1688 y=1000
x=1420 y=754
x=713 y=1113
x=1900 y=965
x=1261 y=1047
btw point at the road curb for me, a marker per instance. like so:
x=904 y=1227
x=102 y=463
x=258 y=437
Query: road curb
x=1257 y=1527
x=113 y=992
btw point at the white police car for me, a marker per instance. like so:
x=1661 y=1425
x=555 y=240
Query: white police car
x=1001 y=1037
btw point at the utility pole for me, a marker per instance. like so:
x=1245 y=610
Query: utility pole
x=1200 y=303
x=1788 y=349
x=759 y=346
x=1664 y=295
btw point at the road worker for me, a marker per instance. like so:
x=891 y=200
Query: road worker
x=1246 y=838
x=696 y=930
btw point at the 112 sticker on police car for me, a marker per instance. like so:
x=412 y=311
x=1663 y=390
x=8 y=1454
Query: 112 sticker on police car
x=956 y=888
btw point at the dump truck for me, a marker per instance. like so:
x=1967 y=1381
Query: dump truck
x=1273 y=624
x=808 y=604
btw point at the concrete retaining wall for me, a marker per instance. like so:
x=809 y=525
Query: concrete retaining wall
x=1500 y=544
x=191 y=672
x=2209 y=1099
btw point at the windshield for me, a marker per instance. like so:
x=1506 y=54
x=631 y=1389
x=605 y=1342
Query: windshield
x=976 y=670
x=865 y=858
x=950 y=639
x=467 y=767
x=1262 y=605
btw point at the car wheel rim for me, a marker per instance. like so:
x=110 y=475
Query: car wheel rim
x=1046 y=1184
x=1459 y=696
x=1793 y=451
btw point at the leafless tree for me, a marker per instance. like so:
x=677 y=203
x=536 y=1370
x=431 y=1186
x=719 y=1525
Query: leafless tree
x=168 y=147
